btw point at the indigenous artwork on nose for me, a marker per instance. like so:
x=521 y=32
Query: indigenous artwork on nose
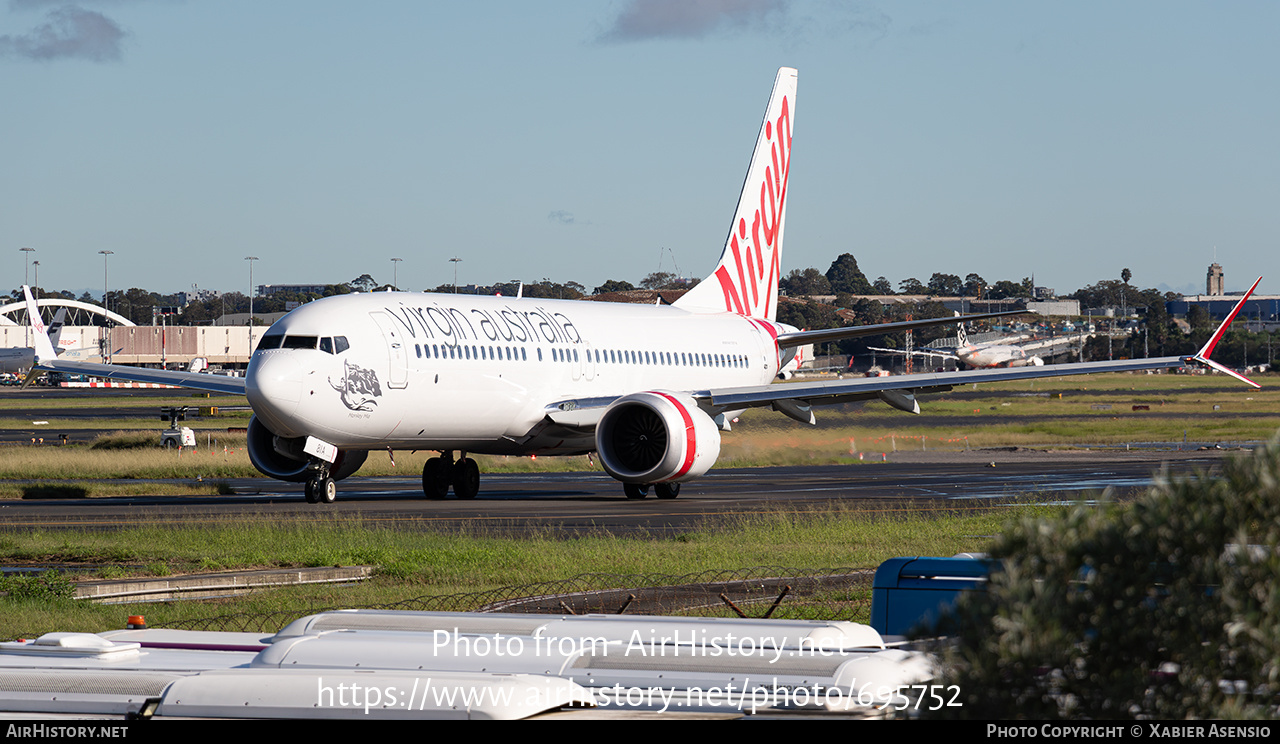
x=359 y=387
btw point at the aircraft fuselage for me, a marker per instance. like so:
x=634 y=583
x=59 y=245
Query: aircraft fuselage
x=405 y=370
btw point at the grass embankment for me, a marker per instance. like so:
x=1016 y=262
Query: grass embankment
x=413 y=563
x=53 y=424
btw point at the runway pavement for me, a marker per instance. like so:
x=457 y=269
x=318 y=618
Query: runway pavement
x=572 y=503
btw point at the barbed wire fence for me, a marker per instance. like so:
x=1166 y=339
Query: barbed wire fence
x=758 y=592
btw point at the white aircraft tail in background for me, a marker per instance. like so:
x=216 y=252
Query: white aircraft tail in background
x=23 y=358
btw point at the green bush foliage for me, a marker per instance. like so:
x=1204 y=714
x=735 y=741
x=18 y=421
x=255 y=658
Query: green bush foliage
x=48 y=585
x=1167 y=607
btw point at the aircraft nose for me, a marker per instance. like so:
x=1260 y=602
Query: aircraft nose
x=273 y=385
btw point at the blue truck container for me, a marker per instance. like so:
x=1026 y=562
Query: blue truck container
x=914 y=592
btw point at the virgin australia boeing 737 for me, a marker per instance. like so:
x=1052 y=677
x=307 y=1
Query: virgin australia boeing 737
x=647 y=387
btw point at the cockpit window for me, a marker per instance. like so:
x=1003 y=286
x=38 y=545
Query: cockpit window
x=299 y=342
x=326 y=344
x=271 y=341
x=340 y=344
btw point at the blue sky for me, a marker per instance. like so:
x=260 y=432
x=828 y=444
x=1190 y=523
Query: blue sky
x=594 y=140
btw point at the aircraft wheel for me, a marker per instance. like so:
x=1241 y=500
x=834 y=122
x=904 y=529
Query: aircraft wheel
x=435 y=478
x=466 y=478
x=309 y=488
x=635 y=490
x=323 y=489
x=667 y=490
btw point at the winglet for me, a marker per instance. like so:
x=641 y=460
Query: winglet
x=40 y=334
x=1202 y=356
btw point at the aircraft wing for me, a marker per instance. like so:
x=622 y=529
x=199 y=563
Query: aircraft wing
x=193 y=380
x=796 y=400
x=903 y=388
x=47 y=359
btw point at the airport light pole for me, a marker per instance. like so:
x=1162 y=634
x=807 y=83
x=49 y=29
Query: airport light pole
x=106 y=322
x=35 y=287
x=395 y=273
x=455 y=261
x=251 y=259
x=26 y=253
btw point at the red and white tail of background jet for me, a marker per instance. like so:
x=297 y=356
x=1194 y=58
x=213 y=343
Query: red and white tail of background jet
x=1202 y=356
x=746 y=279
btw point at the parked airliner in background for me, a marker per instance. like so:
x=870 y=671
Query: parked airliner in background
x=648 y=387
x=22 y=358
x=976 y=356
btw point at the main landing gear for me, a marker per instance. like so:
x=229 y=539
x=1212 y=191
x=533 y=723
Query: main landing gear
x=661 y=490
x=441 y=472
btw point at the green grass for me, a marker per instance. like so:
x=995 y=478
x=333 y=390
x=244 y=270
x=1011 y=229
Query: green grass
x=413 y=563
x=98 y=489
x=107 y=400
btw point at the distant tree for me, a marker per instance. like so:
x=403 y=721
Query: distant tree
x=1102 y=294
x=973 y=285
x=845 y=276
x=1198 y=318
x=1007 y=290
x=1125 y=275
x=659 y=280
x=197 y=312
x=805 y=282
x=945 y=285
x=869 y=312
x=882 y=286
x=809 y=315
x=912 y=286
x=553 y=290
x=363 y=283
x=612 y=285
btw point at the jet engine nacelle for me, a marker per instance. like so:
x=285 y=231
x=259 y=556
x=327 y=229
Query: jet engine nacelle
x=1033 y=361
x=656 y=437
x=283 y=459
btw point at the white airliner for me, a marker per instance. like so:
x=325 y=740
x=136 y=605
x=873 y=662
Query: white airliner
x=648 y=387
x=977 y=356
x=22 y=358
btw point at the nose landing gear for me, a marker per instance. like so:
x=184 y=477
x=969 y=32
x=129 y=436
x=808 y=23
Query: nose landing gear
x=321 y=489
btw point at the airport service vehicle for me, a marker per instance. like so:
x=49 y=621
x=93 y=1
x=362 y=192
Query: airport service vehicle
x=650 y=388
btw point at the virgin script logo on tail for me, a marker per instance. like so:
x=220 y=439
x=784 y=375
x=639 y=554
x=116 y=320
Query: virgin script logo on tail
x=748 y=274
